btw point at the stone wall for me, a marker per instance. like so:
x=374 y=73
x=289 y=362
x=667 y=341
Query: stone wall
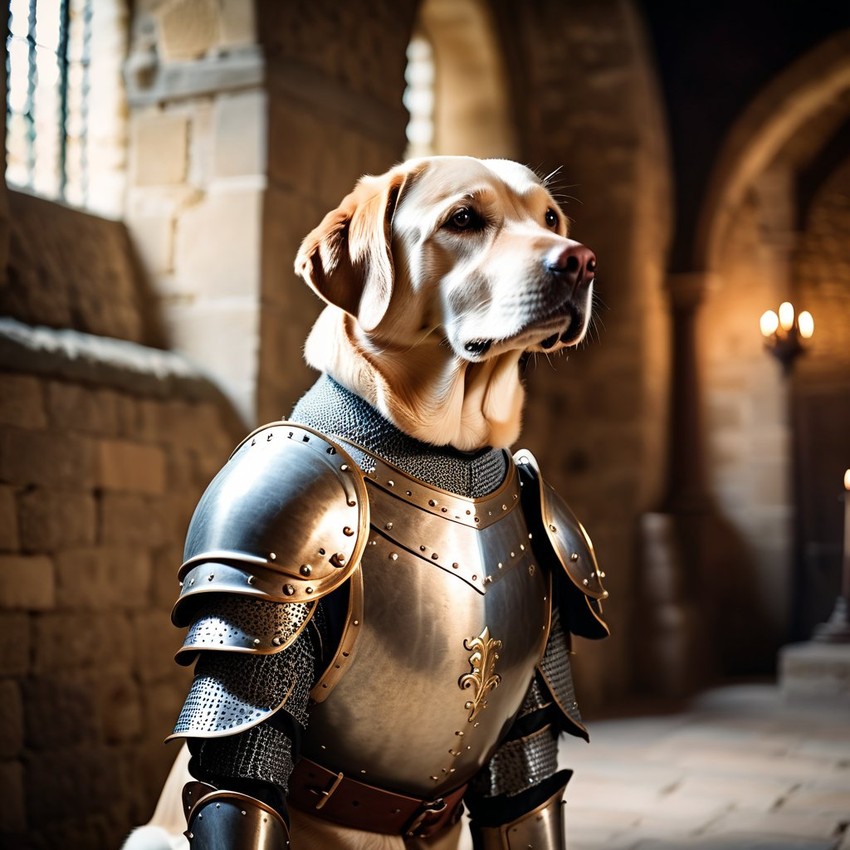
x=105 y=448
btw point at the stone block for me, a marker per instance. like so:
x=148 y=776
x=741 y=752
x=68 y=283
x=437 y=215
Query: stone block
x=116 y=701
x=22 y=401
x=74 y=407
x=815 y=673
x=67 y=641
x=74 y=723
x=153 y=630
x=14 y=644
x=27 y=582
x=218 y=244
x=130 y=519
x=50 y=520
x=70 y=784
x=159 y=145
x=9 y=540
x=98 y=578
x=187 y=28
x=238 y=23
x=46 y=460
x=153 y=237
x=131 y=467
x=239 y=134
x=13 y=811
x=11 y=720
x=164 y=585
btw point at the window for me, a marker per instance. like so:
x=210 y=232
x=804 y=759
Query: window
x=62 y=59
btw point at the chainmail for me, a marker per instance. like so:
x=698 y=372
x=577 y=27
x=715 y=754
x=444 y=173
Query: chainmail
x=228 y=619
x=556 y=672
x=519 y=764
x=330 y=408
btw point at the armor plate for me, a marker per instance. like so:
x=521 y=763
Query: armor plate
x=456 y=615
x=285 y=520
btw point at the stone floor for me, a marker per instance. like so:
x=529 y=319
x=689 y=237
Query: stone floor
x=739 y=769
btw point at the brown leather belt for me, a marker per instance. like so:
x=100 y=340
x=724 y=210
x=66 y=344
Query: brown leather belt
x=338 y=798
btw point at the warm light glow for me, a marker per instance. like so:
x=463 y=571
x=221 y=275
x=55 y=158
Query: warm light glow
x=786 y=315
x=806 y=324
x=847 y=479
x=768 y=323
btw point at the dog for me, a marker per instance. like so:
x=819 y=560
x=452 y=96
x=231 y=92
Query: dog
x=439 y=277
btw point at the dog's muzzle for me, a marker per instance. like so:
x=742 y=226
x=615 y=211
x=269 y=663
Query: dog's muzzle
x=573 y=265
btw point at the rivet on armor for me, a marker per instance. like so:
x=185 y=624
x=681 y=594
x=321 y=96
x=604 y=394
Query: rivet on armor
x=268 y=437
x=254 y=441
x=352 y=503
x=338 y=560
x=309 y=590
x=305 y=570
x=432 y=503
x=488 y=579
x=500 y=565
x=574 y=557
x=277 y=641
x=218 y=805
x=585 y=582
x=388 y=526
x=272 y=556
x=288 y=589
x=468 y=513
x=356 y=622
x=601 y=574
x=455 y=565
x=390 y=483
x=180 y=584
x=243 y=812
x=522 y=547
x=421 y=548
x=605 y=594
x=435 y=778
x=475 y=578
x=531 y=569
x=478 y=519
x=459 y=734
x=344 y=467
x=444 y=510
x=408 y=493
x=434 y=556
x=348 y=531
x=373 y=542
x=256 y=641
x=211 y=576
x=552 y=527
x=251 y=579
x=504 y=507
x=513 y=554
x=393 y=556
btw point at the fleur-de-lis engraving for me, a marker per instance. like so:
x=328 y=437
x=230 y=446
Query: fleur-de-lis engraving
x=483 y=677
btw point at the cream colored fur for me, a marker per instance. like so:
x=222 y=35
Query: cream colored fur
x=406 y=294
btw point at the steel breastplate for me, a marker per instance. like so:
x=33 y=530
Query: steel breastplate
x=442 y=640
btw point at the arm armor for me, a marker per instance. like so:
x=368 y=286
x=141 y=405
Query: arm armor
x=561 y=541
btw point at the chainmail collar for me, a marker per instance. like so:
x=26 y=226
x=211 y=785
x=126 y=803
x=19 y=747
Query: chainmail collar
x=336 y=411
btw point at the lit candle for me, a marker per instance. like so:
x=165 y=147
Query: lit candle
x=845 y=590
x=768 y=323
x=806 y=324
x=786 y=315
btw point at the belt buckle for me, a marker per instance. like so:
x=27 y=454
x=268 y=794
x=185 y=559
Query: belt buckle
x=325 y=793
x=427 y=810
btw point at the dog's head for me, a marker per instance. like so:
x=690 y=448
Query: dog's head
x=459 y=251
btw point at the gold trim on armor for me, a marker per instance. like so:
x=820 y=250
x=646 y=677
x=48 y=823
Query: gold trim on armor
x=344 y=654
x=483 y=677
x=476 y=513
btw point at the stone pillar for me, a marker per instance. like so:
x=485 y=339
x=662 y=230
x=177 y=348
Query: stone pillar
x=4 y=201
x=197 y=180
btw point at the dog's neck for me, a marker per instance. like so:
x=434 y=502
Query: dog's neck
x=425 y=390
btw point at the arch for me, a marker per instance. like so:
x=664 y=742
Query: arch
x=807 y=88
x=472 y=111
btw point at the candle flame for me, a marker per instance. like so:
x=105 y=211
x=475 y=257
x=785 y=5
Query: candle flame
x=786 y=315
x=806 y=324
x=768 y=323
x=847 y=479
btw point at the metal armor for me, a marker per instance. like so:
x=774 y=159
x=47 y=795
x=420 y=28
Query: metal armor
x=449 y=610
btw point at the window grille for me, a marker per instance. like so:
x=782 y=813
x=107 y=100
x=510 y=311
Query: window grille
x=418 y=97
x=48 y=81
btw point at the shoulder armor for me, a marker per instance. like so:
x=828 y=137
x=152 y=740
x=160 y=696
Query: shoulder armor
x=285 y=520
x=551 y=519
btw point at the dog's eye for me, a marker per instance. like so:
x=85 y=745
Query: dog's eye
x=551 y=218
x=465 y=219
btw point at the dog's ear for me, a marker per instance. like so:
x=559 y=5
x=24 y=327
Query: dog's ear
x=347 y=259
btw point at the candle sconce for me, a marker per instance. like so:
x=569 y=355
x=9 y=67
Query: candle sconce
x=784 y=333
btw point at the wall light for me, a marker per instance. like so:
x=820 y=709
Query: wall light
x=785 y=332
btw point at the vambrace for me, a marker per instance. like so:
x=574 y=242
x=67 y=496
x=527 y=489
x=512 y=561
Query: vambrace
x=223 y=820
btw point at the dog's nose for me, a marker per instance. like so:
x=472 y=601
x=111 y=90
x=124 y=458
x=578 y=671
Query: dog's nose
x=574 y=264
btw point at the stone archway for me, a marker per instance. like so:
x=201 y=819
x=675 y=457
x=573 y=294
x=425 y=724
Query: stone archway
x=750 y=236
